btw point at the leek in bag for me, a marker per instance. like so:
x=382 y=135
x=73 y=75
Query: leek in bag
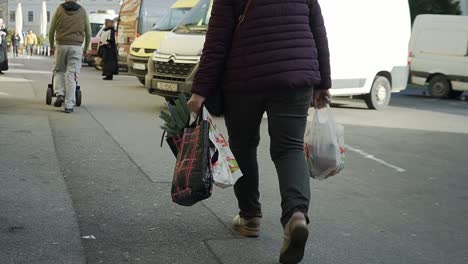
x=324 y=145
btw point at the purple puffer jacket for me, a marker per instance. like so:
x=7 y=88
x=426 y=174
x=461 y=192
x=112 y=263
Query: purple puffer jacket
x=282 y=44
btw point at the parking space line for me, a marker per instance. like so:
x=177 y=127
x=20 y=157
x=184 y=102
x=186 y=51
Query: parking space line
x=372 y=157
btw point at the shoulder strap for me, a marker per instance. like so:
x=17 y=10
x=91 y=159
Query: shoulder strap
x=244 y=14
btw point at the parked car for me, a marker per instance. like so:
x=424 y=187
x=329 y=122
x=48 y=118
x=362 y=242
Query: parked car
x=143 y=47
x=93 y=47
x=369 y=50
x=97 y=19
x=439 y=54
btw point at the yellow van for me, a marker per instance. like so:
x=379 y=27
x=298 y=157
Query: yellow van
x=143 y=47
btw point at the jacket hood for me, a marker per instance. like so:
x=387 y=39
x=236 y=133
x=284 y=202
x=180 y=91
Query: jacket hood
x=71 y=7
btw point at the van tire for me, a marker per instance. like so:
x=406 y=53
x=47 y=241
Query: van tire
x=142 y=80
x=380 y=94
x=439 y=87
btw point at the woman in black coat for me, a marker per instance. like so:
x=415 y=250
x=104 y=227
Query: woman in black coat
x=15 y=42
x=109 y=52
x=3 y=48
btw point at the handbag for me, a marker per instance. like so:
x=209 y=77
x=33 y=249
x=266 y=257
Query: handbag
x=193 y=181
x=215 y=102
x=100 y=51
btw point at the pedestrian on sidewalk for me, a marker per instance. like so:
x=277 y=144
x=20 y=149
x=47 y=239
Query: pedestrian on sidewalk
x=70 y=27
x=3 y=48
x=15 y=43
x=30 y=42
x=276 y=61
x=110 y=64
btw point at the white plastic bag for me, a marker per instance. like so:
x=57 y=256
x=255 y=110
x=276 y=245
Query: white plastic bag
x=225 y=168
x=324 y=145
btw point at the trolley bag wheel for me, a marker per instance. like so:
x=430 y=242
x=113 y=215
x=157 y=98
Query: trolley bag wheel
x=49 y=95
x=78 y=97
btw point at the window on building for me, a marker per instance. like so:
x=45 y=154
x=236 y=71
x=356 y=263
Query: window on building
x=12 y=16
x=48 y=16
x=30 y=16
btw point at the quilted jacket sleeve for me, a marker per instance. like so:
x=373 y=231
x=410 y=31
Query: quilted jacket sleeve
x=317 y=26
x=217 y=45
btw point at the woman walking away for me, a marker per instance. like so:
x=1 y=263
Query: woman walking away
x=109 y=54
x=15 y=42
x=274 y=60
x=3 y=48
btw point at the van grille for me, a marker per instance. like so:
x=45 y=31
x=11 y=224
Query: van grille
x=171 y=68
x=138 y=72
x=162 y=78
x=150 y=51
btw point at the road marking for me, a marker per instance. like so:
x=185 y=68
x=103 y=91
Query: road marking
x=372 y=157
x=4 y=94
x=16 y=64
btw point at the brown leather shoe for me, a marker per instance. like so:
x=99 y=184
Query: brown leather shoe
x=296 y=234
x=247 y=227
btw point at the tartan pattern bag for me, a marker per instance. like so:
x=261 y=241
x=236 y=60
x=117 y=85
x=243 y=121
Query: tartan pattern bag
x=192 y=180
x=174 y=144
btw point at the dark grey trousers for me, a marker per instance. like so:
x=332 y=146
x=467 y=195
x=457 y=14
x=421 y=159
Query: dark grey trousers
x=287 y=113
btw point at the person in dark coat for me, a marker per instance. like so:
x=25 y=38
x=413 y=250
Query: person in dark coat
x=3 y=48
x=15 y=42
x=276 y=61
x=109 y=53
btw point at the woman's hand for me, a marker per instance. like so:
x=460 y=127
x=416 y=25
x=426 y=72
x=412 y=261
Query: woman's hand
x=195 y=103
x=321 y=98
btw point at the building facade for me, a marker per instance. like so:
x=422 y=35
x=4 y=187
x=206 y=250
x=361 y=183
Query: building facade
x=32 y=10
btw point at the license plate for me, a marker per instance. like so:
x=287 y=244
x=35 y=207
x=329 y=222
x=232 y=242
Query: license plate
x=171 y=87
x=139 y=66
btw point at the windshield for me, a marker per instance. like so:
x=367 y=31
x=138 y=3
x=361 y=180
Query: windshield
x=95 y=27
x=151 y=12
x=196 y=21
x=170 y=21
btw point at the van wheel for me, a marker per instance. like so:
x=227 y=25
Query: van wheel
x=142 y=80
x=439 y=87
x=380 y=94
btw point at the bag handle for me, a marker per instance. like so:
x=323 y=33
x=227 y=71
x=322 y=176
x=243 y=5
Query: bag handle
x=242 y=17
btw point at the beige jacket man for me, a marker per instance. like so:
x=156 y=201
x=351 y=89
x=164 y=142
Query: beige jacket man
x=69 y=29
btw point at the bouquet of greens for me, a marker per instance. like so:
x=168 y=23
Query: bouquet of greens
x=176 y=118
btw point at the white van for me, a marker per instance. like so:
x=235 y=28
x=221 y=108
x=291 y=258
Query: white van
x=368 y=42
x=439 y=54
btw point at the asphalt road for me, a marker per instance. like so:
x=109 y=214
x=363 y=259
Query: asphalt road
x=93 y=187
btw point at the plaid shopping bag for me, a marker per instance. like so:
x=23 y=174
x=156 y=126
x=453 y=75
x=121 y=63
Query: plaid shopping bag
x=192 y=180
x=174 y=144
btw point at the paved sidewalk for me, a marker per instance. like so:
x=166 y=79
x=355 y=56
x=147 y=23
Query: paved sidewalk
x=37 y=220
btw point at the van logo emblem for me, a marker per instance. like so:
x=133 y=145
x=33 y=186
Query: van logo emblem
x=171 y=59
